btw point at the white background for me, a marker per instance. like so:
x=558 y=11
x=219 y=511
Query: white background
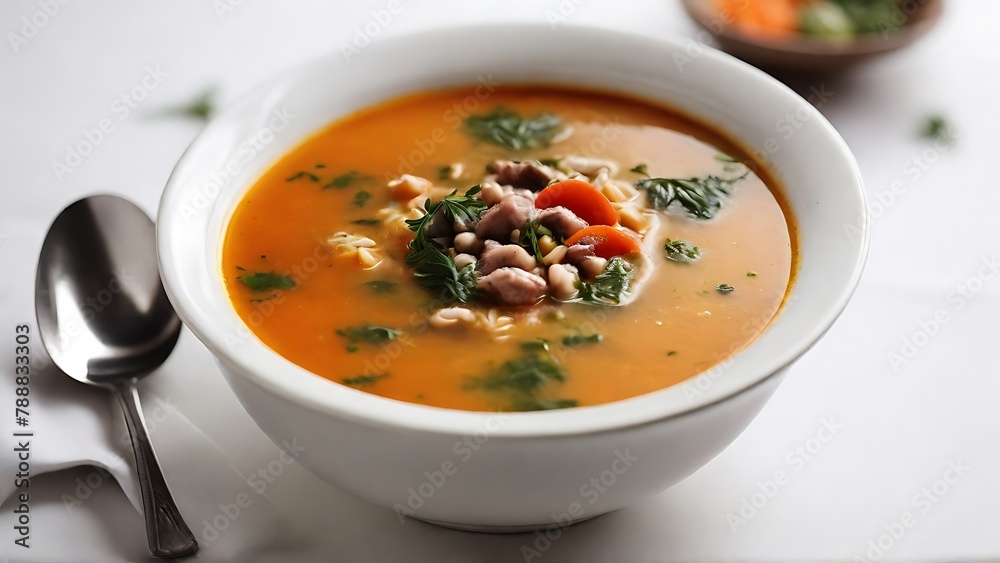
x=899 y=428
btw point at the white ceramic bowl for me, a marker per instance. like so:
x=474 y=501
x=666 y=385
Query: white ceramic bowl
x=506 y=472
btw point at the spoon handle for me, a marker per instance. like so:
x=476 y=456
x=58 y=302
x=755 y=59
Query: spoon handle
x=166 y=532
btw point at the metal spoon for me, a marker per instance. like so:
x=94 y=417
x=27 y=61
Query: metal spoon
x=105 y=320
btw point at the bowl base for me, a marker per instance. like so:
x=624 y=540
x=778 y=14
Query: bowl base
x=487 y=529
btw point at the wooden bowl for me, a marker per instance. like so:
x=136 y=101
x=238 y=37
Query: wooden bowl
x=811 y=54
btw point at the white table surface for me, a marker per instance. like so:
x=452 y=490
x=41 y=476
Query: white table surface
x=898 y=429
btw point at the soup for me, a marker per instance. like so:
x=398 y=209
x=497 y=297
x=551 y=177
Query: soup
x=511 y=248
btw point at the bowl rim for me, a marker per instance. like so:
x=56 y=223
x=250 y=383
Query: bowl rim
x=313 y=392
x=807 y=46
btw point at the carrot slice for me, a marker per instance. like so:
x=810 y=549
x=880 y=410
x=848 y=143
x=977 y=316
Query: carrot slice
x=608 y=241
x=586 y=201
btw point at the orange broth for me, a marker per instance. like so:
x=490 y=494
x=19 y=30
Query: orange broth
x=677 y=326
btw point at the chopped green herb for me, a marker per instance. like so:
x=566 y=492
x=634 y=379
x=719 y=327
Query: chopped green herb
x=680 y=251
x=363 y=380
x=241 y=268
x=361 y=198
x=522 y=379
x=507 y=128
x=701 y=197
x=526 y=405
x=303 y=174
x=672 y=353
x=381 y=286
x=724 y=288
x=533 y=231
x=366 y=221
x=199 y=108
x=723 y=157
x=345 y=180
x=937 y=128
x=368 y=334
x=259 y=282
x=579 y=339
x=263 y=256
x=537 y=345
x=525 y=375
x=751 y=274
x=445 y=172
x=550 y=162
x=432 y=268
x=263 y=299
x=320 y=165
x=610 y=286
x=640 y=169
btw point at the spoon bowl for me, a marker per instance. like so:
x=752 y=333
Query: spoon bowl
x=104 y=319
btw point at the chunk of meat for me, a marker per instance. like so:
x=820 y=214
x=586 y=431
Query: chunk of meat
x=528 y=175
x=577 y=252
x=512 y=286
x=511 y=213
x=561 y=221
x=498 y=256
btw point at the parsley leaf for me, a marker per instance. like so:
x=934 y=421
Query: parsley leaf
x=701 y=197
x=579 y=339
x=360 y=381
x=525 y=405
x=432 y=268
x=937 y=128
x=610 y=286
x=368 y=334
x=259 y=282
x=303 y=174
x=344 y=180
x=680 y=251
x=505 y=127
x=724 y=288
x=640 y=169
x=361 y=198
x=201 y=107
x=523 y=378
x=366 y=221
